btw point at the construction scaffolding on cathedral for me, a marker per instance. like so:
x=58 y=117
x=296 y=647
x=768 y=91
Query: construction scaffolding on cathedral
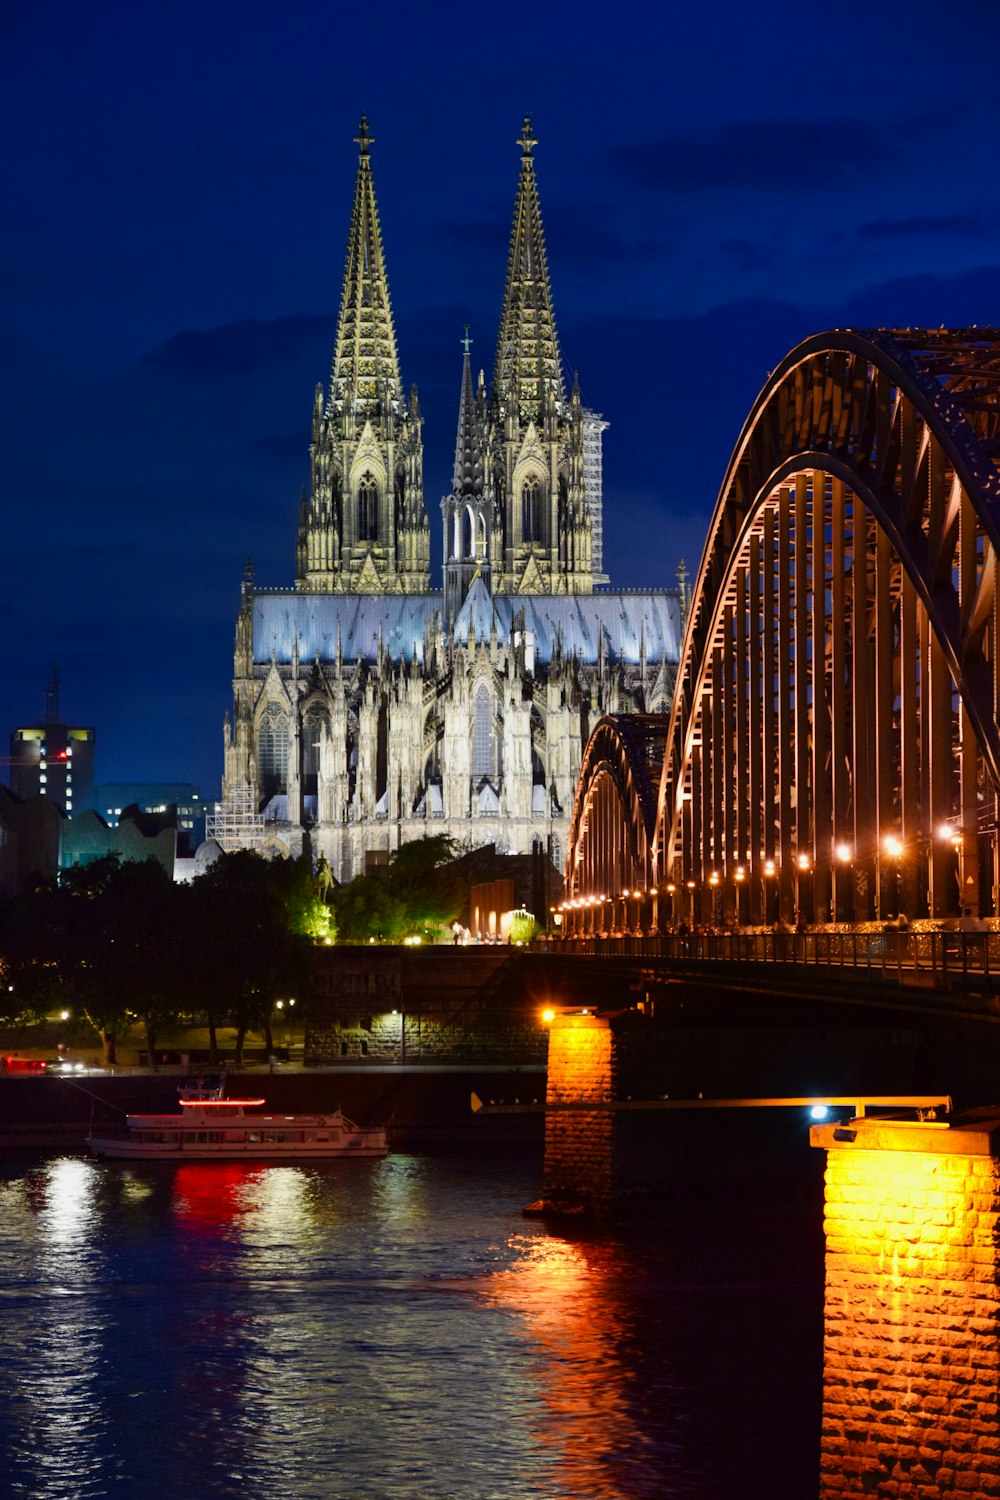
x=371 y=709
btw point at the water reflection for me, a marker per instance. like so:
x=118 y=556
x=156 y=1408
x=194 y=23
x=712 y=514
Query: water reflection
x=61 y=1390
x=380 y=1331
x=578 y=1306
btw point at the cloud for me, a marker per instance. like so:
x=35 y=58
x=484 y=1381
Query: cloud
x=773 y=155
x=956 y=300
x=577 y=232
x=242 y=348
x=748 y=255
x=920 y=226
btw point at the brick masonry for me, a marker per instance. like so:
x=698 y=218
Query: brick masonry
x=579 y=1143
x=911 y=1353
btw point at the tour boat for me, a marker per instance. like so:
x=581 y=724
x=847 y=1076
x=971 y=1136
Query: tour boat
x=212 y=1128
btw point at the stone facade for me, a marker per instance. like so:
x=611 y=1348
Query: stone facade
x=912 y=1359
x=370 y=709
x=430 y=1006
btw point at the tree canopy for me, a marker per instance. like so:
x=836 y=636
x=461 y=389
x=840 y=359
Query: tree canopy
x=117 y=941
x=416 y=894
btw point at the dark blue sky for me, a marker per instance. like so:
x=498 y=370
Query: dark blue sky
x=717 y=182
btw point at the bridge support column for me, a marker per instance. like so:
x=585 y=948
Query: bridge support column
x=911 y=1373
x=579 y=1125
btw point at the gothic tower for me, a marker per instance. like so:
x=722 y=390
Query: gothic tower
x=467 y=512
x=543 y=534
x=364 y=528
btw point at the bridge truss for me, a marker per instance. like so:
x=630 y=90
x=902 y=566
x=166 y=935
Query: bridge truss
x=833 y=750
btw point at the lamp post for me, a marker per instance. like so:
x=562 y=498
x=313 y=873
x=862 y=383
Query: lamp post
x=691 y=890
x=713 y=881
x=803 y=864
x=739 y=877
x=768 y=873
x=894 y=850
x=672 y=893
x=845 y=856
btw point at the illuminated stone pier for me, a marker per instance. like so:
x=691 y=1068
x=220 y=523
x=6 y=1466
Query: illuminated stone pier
x=579 y=1124
x=911 y=1375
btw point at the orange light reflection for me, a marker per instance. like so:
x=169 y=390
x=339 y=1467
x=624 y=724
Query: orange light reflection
x=577 y=1330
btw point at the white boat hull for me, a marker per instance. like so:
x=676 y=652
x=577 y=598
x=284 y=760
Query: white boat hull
x=129 y=1150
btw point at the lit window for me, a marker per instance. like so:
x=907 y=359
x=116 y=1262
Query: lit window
x=43 y=764
x=43 y=778
x=41 y=791
x=118 y=812
x=69 y=749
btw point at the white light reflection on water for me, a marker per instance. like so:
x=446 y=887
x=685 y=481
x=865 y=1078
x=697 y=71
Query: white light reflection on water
x=63 y=1341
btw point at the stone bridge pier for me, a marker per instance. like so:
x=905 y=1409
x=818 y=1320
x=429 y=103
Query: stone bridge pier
x=579 y=1170
x=911 y=1374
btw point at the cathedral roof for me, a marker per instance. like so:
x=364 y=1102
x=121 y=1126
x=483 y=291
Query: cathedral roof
x=364 y=359
x=528 y=366
x=571 y=623
x=477 y=612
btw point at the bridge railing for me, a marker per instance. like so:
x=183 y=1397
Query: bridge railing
x=932 y=954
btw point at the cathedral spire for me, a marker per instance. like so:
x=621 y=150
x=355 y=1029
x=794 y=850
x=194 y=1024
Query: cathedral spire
x=467 y=512
x=365 y=365
x=467 y=477
x=364 y=528
x=528 y=369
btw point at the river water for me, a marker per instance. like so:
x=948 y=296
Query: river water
x=392 y=1329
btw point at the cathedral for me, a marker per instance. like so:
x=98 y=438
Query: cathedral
x=370 y=708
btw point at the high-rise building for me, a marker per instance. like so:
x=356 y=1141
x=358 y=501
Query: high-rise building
x=53 y=759
x=369 y=708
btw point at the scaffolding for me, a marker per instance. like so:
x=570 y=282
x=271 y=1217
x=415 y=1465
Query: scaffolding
x=593 y=487
x=236 y=823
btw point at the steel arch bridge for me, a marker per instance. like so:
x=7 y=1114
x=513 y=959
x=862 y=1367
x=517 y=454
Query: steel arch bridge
x=833 y=750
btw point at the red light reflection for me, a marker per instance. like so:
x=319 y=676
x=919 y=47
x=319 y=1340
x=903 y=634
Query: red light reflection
x=210 y=1196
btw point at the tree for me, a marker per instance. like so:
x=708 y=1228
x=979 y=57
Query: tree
x=250 y=920
x=102 y=942
x=416 y=892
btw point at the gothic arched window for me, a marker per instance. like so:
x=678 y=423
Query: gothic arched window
x=531 y=510
x=313 y=725
x=367 y=509
x=272 y=750
x=482 y=734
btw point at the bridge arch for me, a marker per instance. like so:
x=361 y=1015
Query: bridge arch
x=609 y=864
x=833 y=749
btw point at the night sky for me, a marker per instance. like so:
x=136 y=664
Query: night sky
x=717 y=182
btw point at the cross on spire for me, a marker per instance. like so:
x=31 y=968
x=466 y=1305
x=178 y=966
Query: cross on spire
x=466 y=343
x=364 y=137
x=526 y=140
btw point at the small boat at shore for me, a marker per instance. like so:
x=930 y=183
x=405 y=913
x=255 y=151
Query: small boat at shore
x=211 y=1127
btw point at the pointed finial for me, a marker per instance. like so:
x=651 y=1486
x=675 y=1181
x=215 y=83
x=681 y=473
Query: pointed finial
x=364 y=137
x=466 y=342
x=526 y=140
